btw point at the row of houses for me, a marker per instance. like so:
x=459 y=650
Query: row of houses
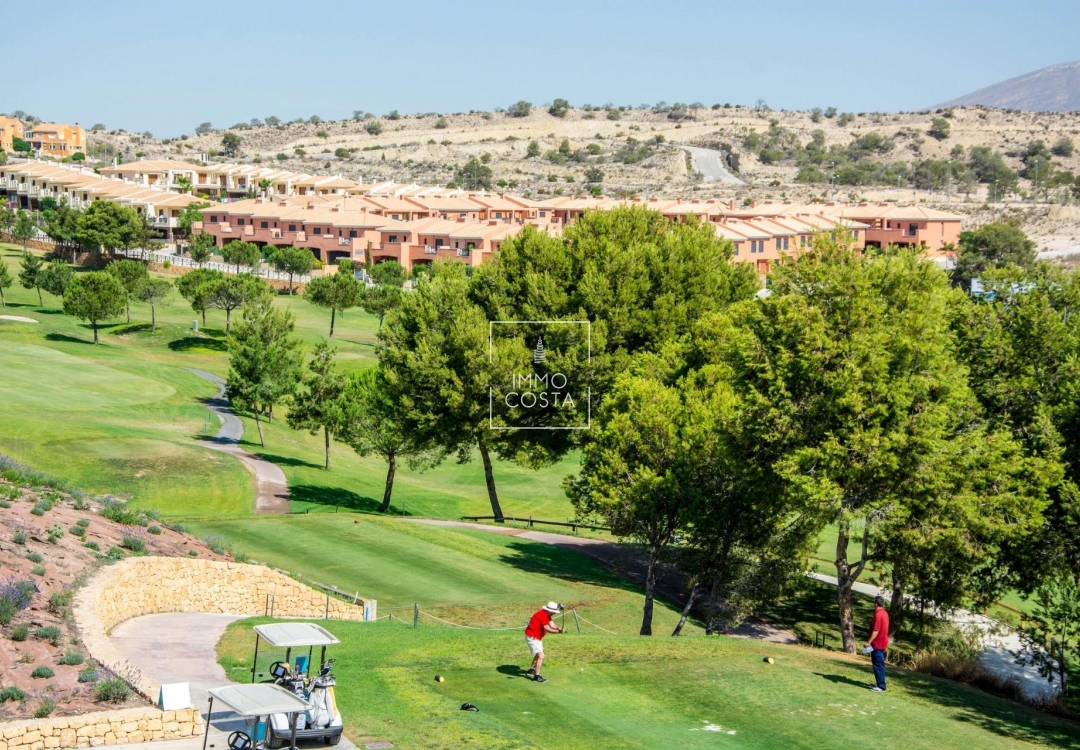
x=338 y=218
x=26 y=184
x=47 y=139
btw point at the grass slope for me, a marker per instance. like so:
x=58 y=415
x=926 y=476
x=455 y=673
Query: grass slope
x=631 y=692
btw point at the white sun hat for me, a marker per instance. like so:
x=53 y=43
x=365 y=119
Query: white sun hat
x=553 y=607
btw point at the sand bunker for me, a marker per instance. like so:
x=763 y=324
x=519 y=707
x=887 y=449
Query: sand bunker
x=17 y=319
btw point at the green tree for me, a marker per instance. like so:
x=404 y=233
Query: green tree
x=61 y=224
x=380 y=299
x=991 y=246
x=1063 y=147
x=629 y=472
x=24 y=228
x=989 y=168
x=184 y=183
x=1051 y=635
x=18 y=144
x=373 y=424
x=295 y=261
x=131 y=274
x=56 y=277
x=559 y=108
x=230 y=144
x=265 y=359
x=939 y=129
x=202 y=247
x=233 y=292
x=190 y=214
x=474 y=176
x=196 y=286
x=316 y=404
x=7 y=218
x=108 y=226
x=94 y=297
x=30 y=268
x=154 y=292
x=6 y=280
x=338 y=291
x=533 y=150
x=388 y=273
x=521 y=108
x=241 y=253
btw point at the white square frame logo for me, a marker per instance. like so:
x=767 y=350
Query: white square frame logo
x=491 y=391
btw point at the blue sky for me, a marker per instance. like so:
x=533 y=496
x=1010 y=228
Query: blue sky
x=167 y=66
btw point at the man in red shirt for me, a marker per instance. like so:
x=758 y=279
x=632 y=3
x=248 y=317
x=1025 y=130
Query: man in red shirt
x=878 y=642
x=539 y=626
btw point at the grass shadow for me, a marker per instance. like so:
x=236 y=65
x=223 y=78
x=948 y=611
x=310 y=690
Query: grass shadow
x=43 y=311
x=332 y=497
x=841 y=680
x=122 y=329
x=568 y=565
x=69 y=339
x=511 y=670
x=286 y=460
x=193 y=343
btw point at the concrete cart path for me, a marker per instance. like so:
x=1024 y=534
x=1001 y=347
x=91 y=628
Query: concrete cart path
x=711 y=165
x=271 y=487
x=999 y=641
x=181 y=647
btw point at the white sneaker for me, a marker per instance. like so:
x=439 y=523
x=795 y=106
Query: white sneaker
x=877 y=689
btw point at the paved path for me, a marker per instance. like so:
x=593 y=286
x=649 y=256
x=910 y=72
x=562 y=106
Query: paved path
x=999 y=642
x=271 y=487
x=181 y=647
x=711 y=165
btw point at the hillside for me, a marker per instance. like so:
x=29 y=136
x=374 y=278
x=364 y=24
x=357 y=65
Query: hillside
x=1055 y=88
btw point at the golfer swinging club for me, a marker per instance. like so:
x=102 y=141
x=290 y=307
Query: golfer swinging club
x=539 y=626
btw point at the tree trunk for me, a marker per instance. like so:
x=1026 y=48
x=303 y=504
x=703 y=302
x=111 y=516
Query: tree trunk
x=270 y=415
x=896 y=605
x=40 y=303
x=204 y=317
x=493 y=496
x=262 y=440
x=290 y=283
x=686 y=609
x=153 y=319
x=714 y=595
x=228 y=315
x=3 y=302
x=650 y=590
x=333 y=314
x=128 y=310
x=326 y=439
x=846 y=575
x=390 y=471
x=93 y=324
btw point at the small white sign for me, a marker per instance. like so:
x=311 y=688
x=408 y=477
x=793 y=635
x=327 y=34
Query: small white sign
x=174 y=696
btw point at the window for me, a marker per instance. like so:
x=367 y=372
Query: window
x=778 y=243
x=438 y=242
x=543 y=214
x=352 y=232
x=498 y=214
x=292 y=227
x=213 y=219
x=266 y=225
x=392 y=238
x=239 y=222
x=462 y=216
x=785 y=243
x=736 y=248
x=394 y=216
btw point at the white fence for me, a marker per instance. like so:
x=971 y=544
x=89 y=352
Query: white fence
x=182 y=260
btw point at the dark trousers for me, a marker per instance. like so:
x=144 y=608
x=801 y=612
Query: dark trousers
x=877 y=658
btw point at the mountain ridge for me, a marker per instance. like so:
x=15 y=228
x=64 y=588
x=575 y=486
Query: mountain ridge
x=1055 y=88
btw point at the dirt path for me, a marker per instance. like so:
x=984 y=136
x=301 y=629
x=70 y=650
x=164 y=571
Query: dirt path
x=711 y=165
x=271 y=487
x=620 y=560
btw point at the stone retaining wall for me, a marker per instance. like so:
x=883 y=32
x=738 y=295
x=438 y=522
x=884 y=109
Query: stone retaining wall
x=151 y=585
x=103 y=728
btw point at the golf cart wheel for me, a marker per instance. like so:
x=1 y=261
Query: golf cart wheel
x=333 y=740
x=273 y=742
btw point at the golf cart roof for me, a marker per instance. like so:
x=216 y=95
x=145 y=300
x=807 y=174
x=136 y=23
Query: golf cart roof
x=293 y=634
x=259 y=699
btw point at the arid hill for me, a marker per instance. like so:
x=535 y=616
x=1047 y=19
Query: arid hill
x=1055 y=88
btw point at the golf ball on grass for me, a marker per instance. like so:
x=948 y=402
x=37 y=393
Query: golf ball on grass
x=768 y=660
x=439 y=678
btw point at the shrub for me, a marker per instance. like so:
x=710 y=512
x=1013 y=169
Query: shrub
x=192 y=553
x=90 y=674
x=38 y=570
x=12 y=693
x=82 y=523
x=155 y=530
x=55 y=533
x=71 y=659
x=217 y=543
x=20 y=632
x=118 y=511
x=92 y=545
x=78 y=531
x=519 y=109
x=47 y=704
x=115 y=553
x=42 y=672
x=59 y=600
x=79 y=502
x=19 y=537
x=50 y=633
x=7 y=611
x=5 y=504
x=441 y=124
x=40 y=508
x=133 y=542
x=374 y=127
x=35 y=557
x=241 y=557
x=112 y=689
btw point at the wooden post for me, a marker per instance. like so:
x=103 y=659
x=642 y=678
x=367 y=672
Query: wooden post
x=327 y=615
x=577 y=622
x=415 y=615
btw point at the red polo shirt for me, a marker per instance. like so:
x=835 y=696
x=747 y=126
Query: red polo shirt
x=536 y=625
x=880 y=623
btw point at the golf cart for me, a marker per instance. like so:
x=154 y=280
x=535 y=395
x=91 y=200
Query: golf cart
x=321 y=720
x=256 y=704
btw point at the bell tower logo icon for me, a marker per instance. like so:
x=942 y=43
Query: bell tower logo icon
x=539 y=355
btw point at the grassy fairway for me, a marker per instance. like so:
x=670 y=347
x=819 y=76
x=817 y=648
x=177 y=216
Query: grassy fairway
x=631 y=692
x=124 y=417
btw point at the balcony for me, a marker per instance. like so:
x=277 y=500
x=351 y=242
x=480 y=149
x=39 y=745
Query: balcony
x=249 y=231
x=301 y=236
x=33 y=190
x=275 y=234
x=344 y=241
x=464 y=252
x=428 y=250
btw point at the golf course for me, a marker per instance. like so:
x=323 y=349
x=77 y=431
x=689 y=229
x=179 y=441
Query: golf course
x=126 y=417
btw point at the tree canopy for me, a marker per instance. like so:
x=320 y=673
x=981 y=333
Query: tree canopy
x=94 y=297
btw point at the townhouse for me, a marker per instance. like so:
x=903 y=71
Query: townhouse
x=55 y=140
x=10 y=129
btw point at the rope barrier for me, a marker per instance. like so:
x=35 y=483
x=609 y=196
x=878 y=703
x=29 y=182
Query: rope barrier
x=467 y=627
x=499 y=630
x=593 y=624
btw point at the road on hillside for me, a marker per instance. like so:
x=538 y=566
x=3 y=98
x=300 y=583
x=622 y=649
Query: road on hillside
x=711 y=164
